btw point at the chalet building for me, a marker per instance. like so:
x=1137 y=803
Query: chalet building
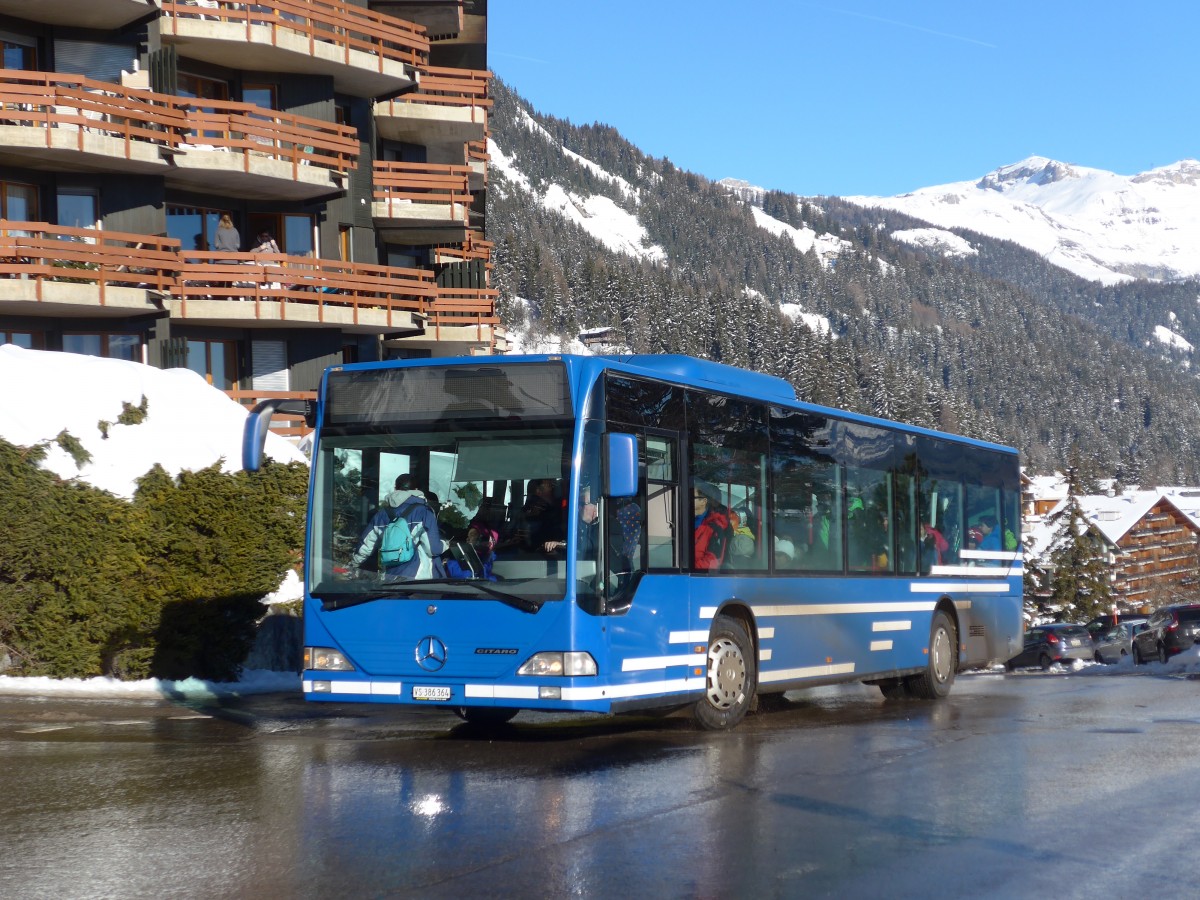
x=1153 y=539
x=352 y=132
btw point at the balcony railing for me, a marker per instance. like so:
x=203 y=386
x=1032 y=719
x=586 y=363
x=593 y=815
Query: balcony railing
x=253 y=131
x=400 y=184
x=474 y=247
x=41 y=252
x=300 y=288
x=443 y=86
x=464 y=308
x=59 y=103
x=391 y=294
x=356 y=35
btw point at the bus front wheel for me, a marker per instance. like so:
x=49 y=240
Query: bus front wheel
x=731 y=676
x=937 y=679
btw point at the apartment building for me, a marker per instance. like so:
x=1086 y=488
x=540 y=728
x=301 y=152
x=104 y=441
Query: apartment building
x=353 y=133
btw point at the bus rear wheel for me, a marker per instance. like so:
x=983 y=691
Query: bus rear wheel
x=937 y=679
x=731 y=676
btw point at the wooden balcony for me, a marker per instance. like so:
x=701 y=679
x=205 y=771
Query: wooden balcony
x=450 y=106
x=105 y=15
x=260 y=153
x=439 y=18
x=50 y=269
x=274 y=289
x=474 y=248
x=55 y=121
x=463 y=314
x=59 y=122
x=366 y=53
x=420 y=203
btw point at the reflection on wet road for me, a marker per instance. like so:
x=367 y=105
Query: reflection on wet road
x=837 y=794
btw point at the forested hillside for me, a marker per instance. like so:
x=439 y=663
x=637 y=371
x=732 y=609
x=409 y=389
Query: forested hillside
x=996 y=345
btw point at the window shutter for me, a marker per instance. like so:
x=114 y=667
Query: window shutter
x=268 y=366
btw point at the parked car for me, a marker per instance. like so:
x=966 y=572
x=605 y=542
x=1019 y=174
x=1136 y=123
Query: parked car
x=1168 y=632
x=1058 y=642
x=1116 y=643
x=1104 y=624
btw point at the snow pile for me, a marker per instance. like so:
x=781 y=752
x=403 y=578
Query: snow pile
x=189 y=424
x=256 y=682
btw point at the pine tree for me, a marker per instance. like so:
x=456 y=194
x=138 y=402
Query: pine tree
x=1080 y=586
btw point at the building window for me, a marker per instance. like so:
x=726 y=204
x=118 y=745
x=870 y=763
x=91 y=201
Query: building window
x=18 y=202
x=216 y=361
x=110 y=345
x=19 y=56
x=197 y=87
x=295 y=234
x=30 y=340
x=194 y=227
x=78 y=208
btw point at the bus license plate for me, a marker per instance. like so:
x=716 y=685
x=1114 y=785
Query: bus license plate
x=424 y=692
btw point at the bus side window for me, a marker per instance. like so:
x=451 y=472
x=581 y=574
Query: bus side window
x=661 y=503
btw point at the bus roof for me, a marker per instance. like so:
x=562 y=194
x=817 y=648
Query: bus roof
x=688 y=370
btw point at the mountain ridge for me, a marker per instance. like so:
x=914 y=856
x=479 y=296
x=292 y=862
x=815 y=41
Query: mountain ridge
x=1099 y=225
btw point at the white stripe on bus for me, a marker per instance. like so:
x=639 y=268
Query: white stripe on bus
x=825 y=609
x=687 y=637
x=1006 y=555
x=807 y=672
x=971 y=587
x=892 y=626
x=382 y=688
x=972 y=571
x=881 y=645
x=646 y=663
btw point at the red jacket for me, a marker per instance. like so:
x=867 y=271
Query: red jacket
x=712 y=539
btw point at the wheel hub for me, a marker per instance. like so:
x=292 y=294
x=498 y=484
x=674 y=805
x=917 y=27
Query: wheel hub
x=726 y=674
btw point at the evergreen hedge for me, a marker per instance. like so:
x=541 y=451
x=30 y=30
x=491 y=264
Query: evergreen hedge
x=165 y=586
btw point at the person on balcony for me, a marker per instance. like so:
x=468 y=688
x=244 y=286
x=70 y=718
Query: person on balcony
x=266 y=243
x=227 y=239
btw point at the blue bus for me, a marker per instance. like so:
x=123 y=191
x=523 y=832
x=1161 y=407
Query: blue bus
x=670 y=533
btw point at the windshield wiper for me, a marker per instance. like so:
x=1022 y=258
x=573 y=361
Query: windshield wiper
x=345 y=599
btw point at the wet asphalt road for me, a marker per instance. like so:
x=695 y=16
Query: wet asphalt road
x=1019 y=785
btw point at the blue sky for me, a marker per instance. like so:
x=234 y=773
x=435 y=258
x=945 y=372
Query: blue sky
x=864 y=96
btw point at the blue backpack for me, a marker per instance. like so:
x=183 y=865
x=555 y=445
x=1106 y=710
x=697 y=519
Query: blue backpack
x=396 y=546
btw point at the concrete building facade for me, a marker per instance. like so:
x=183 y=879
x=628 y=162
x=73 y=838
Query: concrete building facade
x=351 y=135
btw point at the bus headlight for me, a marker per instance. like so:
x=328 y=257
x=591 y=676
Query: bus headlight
x=326 y=659
x=559 y=663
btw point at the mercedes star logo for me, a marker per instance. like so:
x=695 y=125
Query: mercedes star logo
x=431 y=654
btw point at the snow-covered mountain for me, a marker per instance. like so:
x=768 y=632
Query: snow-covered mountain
x=1099 y=225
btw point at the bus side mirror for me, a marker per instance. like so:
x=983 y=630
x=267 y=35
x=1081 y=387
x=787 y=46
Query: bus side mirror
x=258 y=423
x=622 y=469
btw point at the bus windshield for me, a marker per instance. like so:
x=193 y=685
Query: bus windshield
x=495 y=492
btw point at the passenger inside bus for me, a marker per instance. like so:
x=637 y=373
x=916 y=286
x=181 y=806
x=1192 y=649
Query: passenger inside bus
x=713 y=532
x=540 y=520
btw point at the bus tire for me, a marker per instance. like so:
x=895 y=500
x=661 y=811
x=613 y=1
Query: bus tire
x=731 y=676
x=937 y=679
x=893 y=688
